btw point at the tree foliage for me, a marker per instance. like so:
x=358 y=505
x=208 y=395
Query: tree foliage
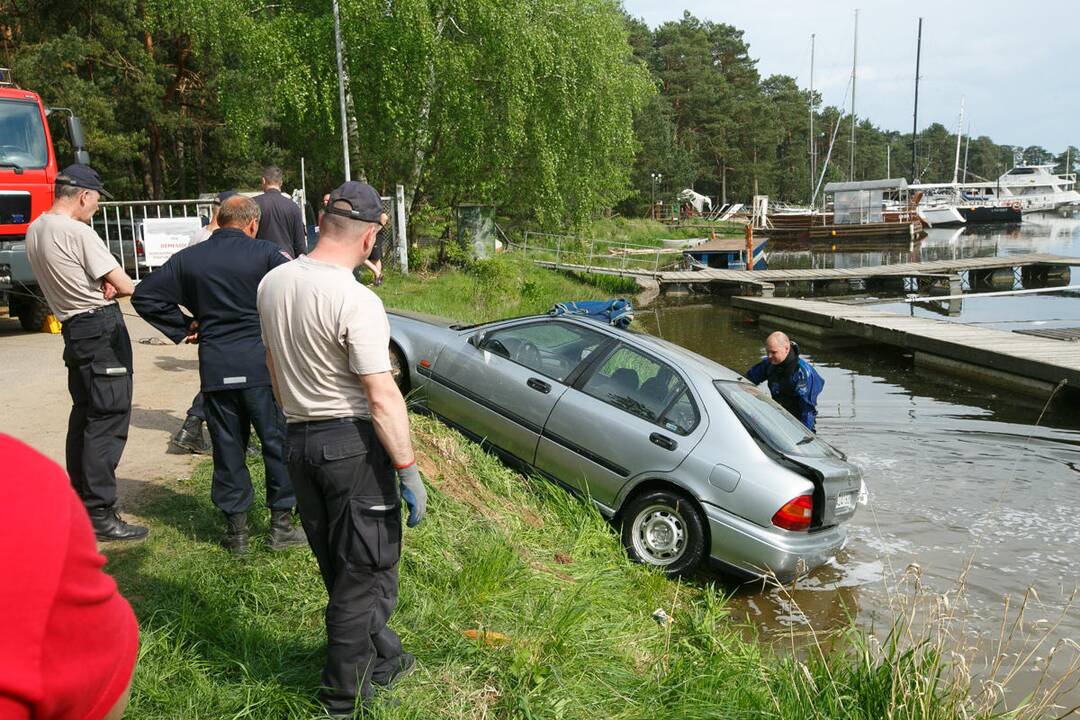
x=526 y=104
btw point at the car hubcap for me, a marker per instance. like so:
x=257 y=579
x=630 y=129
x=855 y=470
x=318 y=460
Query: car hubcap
x=659 y=535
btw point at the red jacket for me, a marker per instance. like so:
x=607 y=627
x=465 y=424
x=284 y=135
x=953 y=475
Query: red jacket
x=68 y=639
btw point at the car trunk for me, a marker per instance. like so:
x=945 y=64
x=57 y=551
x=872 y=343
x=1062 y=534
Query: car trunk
x=835 y=481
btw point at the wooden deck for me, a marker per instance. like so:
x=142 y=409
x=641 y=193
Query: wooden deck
x=916 y=269
x=1000 y=357
x=766 y=279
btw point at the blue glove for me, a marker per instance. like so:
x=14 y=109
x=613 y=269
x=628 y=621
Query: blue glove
x=413 y=493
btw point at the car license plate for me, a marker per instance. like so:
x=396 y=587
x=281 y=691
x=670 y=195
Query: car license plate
x=846 y=501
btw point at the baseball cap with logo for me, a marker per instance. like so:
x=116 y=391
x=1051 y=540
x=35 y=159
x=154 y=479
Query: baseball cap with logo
x=364 y=203
x=82 y=176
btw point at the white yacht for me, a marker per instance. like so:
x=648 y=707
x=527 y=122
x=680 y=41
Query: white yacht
x=1028 y=188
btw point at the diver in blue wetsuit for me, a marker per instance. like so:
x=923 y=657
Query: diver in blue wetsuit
x=793 y=382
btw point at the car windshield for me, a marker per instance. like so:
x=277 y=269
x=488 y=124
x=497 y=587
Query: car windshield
x=22 y=135
x=762 y=415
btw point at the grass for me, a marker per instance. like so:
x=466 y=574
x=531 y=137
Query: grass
x=564 y=618
x=642 y=231
x=516 y=598
x=504 y=286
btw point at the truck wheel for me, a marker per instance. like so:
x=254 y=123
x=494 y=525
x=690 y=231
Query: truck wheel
x=32 y=314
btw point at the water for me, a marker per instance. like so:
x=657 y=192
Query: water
x=960 y=476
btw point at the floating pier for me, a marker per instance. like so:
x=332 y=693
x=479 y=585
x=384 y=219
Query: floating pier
x=957 y=275
x=1022 y=363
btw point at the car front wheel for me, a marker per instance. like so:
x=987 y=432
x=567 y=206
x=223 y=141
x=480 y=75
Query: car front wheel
x=664 y=529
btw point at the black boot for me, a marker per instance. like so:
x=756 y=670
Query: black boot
x=282 y=532
x=190 y=437
x=109 y=526
x=236 y=535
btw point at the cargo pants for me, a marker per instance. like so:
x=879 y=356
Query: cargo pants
x=97 y=353
x=347 y=495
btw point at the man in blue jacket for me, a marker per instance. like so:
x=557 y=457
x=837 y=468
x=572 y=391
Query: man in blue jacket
x=793 y=382
x=217 y=280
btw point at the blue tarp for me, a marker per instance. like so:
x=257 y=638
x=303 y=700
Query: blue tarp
x=613 y=312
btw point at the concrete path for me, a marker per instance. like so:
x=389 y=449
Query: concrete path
x=34 y=401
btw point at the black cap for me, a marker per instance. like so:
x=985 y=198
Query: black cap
x=82 y=176
x=365 y=202
x=223 y=196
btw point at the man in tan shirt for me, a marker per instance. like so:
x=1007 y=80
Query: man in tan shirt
x=327 y=347
x=80 y=278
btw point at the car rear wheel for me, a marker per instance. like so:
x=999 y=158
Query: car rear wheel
x=398 y=369
x=664 y=530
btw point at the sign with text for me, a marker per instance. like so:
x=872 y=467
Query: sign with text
x=164 y=236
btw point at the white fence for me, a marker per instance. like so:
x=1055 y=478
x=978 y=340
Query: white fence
x=121 y=225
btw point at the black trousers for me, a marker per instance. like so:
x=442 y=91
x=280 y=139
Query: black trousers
x=198 y=406
x=347 y=494
x=229 y=417
x=97 y=353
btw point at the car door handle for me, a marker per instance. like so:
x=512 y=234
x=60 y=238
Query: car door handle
x=539 y=385
x=663 y=441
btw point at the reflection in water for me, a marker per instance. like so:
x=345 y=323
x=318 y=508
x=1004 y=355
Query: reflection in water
x=959 y=477
x=1042 y=234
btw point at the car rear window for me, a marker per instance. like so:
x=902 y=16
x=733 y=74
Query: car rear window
x=772 y=423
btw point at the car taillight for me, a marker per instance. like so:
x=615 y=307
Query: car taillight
x=795 y=515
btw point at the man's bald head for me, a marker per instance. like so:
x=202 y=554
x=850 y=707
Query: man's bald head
x=239 y=212
x=777 y=347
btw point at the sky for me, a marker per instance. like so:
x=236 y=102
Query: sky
x=1016 y=65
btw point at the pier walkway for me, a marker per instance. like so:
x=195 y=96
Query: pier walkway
x=961 y=273
x=1019 y=362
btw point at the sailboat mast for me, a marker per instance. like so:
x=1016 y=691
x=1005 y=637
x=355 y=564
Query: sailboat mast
x=967 y=146
x=959 y=134
x=854 y=64
x=813 y=145
x=915 y=116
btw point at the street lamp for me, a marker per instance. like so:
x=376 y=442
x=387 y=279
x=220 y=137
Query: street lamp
x=656 y=178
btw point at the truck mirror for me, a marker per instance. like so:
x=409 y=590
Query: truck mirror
x=82 y=157
x=76 y=135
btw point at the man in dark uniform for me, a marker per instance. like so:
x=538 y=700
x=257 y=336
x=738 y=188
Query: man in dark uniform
x=793 y=382
x=80 y=278
x=190 y=435
x=349 y=452
x=217 y=281
x=282 y=223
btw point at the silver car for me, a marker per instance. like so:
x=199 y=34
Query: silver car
x=688 y=458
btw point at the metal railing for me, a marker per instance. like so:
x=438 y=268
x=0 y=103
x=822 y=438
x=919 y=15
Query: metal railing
x=608 y=255
x=119 y=223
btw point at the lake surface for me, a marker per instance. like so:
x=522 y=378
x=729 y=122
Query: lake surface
x=960 y=477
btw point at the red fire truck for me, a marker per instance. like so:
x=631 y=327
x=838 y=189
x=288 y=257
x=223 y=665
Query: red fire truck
x=28 y=167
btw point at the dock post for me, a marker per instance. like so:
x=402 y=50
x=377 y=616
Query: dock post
x=749 y=246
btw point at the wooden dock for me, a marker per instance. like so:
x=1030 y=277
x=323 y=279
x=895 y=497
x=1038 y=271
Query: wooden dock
x=963 y=273
x=1024 y=363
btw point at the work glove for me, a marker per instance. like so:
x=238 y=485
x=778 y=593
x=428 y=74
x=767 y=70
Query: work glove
x=413 y=493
